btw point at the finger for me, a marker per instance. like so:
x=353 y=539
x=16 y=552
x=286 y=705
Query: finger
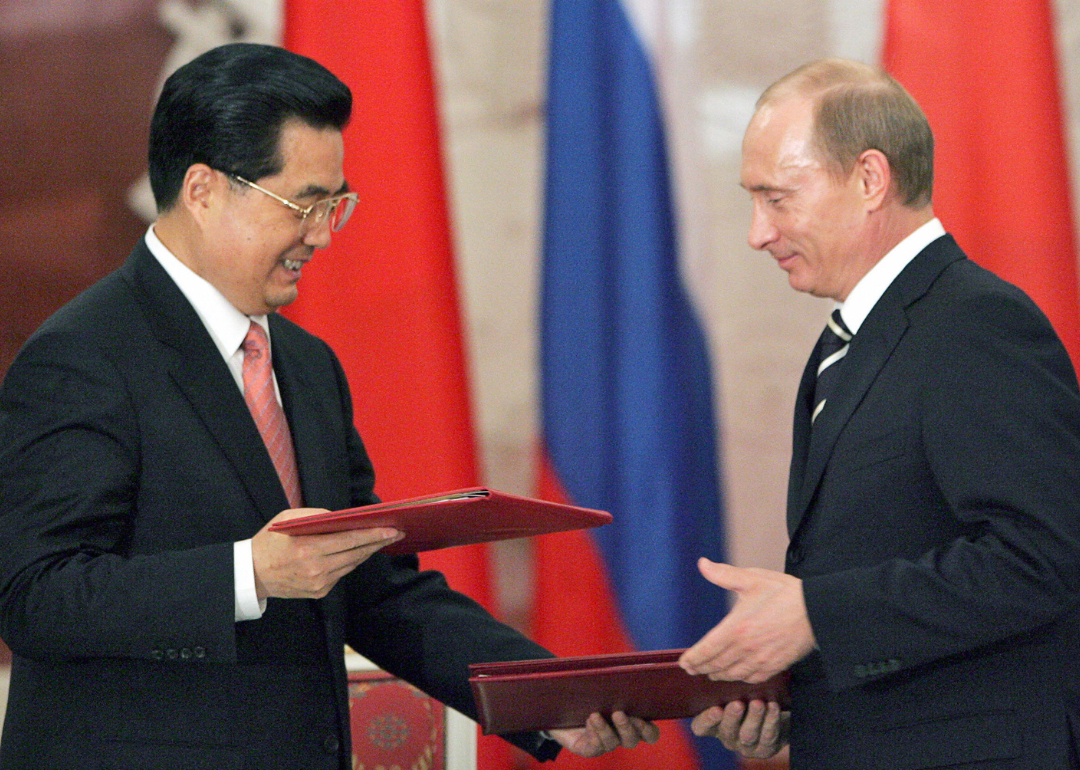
x=730 y=723
x=295 y=513
x=724 y=575
x=573 y=739
x=334 y=566
x=750 y=730
x=605 y=735
x=770 y=728
x=648 y=731
x=627 y=730
x=707 y=722
x=378 y=537
x=350 y=558
x=708 y=654
x=745 y=671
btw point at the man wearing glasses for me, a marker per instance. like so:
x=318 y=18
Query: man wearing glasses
x=146 y=442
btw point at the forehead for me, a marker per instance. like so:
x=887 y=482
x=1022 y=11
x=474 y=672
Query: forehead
x=778 y=144
x=312 y=158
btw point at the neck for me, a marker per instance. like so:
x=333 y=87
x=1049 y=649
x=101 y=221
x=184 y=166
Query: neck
x=175 y=237
x=885 y=228
x=897 y=224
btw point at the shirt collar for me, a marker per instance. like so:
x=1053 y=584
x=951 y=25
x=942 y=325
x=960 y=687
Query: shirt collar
x=227 y=325
x=871 y=286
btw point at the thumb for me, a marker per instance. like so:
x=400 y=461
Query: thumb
x=724 y=575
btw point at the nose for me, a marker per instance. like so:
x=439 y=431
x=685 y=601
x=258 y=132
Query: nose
x=317 y=234
x=762 y=230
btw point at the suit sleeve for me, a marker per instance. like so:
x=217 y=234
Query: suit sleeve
x=998 y=428
x=69 y=465
x=412 y=624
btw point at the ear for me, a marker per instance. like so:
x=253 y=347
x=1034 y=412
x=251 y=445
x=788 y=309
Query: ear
x=875 y=178
x=201 y=189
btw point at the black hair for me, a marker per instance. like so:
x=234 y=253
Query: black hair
x=226 y=108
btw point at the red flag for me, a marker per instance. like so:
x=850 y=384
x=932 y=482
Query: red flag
x=383 y=295
x=985 y=73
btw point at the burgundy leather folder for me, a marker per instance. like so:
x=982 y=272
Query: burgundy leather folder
x=461 y=517
x=562 y=692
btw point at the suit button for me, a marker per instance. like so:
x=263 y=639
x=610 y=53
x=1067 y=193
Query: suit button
x=331 y=744
x=171 y=654
x=157 y=654
x=200 y=652
x=185 y=654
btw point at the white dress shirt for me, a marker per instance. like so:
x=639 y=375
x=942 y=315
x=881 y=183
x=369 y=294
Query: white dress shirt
x=871 y=286
x=227 y=327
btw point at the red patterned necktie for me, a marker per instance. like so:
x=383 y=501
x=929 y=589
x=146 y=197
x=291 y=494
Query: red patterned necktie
x=269 y=416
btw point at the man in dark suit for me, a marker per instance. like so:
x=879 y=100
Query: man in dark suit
x=146 y=443
x=928 y=610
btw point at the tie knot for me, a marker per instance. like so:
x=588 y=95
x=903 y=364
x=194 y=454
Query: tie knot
x=255 y=342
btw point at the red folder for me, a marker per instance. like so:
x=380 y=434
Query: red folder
x=461 y=517
x=562 y=692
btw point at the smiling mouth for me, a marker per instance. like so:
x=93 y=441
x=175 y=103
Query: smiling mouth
x=292 y=264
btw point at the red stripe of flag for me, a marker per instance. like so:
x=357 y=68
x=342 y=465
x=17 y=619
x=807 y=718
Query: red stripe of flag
x=985 y=73
x=384 y=294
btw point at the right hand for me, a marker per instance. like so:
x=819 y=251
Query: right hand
x=308 y=566
x=757 y=730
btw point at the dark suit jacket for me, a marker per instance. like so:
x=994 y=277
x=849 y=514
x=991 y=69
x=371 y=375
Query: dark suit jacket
x=129 y=465
x=934 y=516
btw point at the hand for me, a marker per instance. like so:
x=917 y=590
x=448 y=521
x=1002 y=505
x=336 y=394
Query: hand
x=599 y=737
x=308 y=566
x=757 y=731
x=765 y=632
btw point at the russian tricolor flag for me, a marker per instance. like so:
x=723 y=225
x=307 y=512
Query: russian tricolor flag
x=628 y=420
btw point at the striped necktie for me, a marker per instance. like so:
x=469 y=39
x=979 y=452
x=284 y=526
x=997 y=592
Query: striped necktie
x=834 y=346
x=267 y=412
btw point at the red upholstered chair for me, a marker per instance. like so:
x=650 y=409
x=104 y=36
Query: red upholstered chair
x=396 y=725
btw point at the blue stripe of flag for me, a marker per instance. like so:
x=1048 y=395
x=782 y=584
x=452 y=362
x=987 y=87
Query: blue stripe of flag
x=627 y=397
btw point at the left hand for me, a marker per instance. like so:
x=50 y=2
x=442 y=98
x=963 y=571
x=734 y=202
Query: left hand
x=765 y=632
x=598 y=736
x=757 y=730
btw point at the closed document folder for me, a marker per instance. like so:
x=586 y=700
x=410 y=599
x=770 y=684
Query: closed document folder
x=562 y=692
x=461 y=517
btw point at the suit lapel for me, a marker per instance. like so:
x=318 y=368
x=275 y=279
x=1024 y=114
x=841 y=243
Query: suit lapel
x=196 y=366
x=868 y=353
x=871 y=347
x=800 y=443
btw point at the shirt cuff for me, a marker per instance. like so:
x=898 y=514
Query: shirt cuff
x=247 y=604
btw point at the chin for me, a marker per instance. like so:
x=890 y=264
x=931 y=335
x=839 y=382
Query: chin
x=281 y=300
x=800 y=283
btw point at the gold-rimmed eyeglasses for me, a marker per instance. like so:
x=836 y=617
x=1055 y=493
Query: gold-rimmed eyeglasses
x=336 y=209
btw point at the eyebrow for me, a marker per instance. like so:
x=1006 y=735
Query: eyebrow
x=758 y=187
x=318 y=191
x=765 y=188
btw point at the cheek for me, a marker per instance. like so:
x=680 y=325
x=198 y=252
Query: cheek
x=796 y=229
x=262 y=252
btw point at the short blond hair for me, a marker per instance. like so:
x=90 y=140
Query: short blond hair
x=858 y=108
